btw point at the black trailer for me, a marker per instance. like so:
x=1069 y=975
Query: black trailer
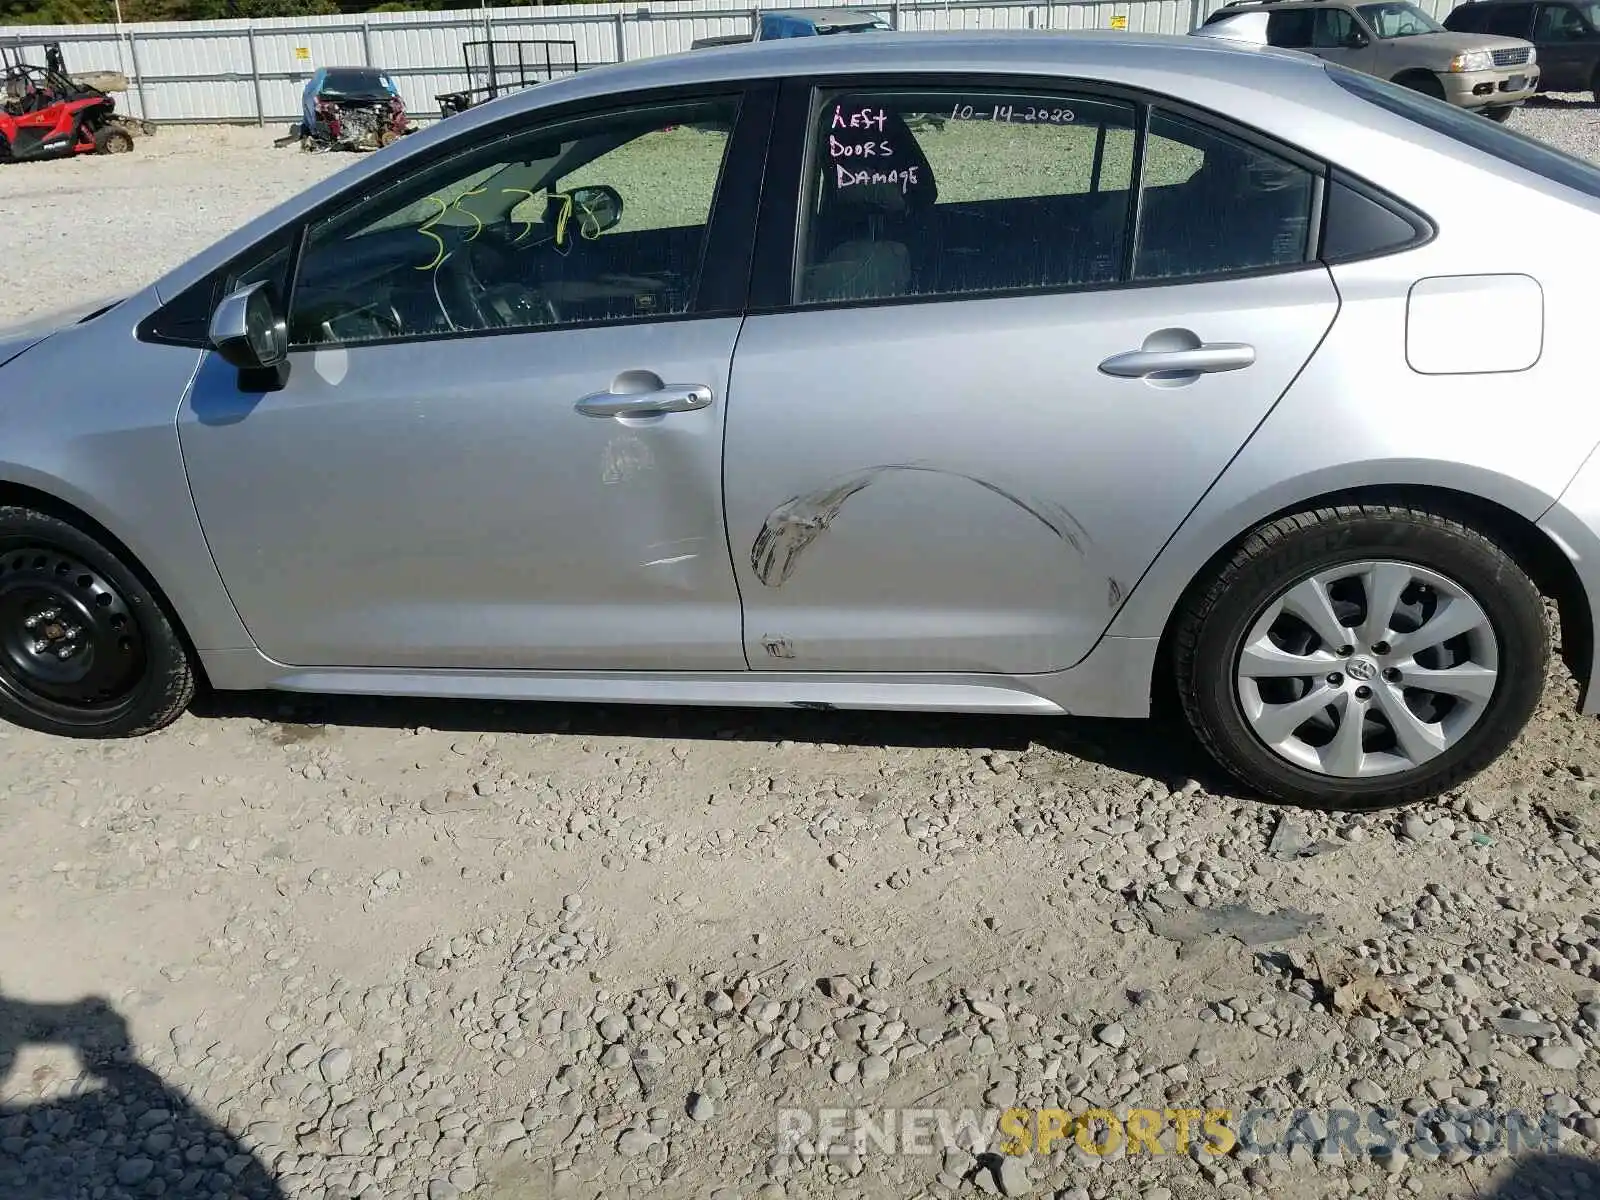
x=500 y=66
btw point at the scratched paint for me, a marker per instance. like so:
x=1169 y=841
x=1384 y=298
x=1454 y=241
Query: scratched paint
x=792 y=527
x=625 y=456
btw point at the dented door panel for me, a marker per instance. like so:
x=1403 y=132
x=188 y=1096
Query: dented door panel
x=958 y=486
x=446 y=504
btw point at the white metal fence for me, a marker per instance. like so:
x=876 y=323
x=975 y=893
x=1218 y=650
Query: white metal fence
x=254 y=71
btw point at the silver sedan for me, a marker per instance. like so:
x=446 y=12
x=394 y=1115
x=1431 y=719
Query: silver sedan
x=1016 y=373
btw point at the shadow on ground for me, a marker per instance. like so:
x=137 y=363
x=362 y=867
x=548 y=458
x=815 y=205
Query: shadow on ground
x=1550 y=1177
x=124 y=1135
x=1160 y=749
x=1562 y=103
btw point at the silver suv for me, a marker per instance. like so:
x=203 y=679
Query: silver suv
x=1394 y=40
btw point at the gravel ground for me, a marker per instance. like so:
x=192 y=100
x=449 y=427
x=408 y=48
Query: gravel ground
x=323 y=950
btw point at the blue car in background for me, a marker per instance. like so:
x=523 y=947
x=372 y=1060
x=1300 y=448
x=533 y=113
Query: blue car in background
x=813 y=22
x=802 y=22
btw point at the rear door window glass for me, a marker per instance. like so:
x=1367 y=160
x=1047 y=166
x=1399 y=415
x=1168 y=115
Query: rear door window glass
x=1212 y=203
x=943 y=193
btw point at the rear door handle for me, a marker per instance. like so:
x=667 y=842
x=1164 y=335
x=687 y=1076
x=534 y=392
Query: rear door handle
x=1198 y=360
x=669 y=398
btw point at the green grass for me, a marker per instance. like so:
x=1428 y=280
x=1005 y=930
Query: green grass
x=668 y=178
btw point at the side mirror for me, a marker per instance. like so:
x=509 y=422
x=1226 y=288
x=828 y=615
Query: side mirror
x=250 y=332
x=1355 y=40
x=597 y=207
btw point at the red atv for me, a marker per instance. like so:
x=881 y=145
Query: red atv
x=45 y=113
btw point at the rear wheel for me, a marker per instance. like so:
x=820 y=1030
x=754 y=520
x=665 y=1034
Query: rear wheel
x=85 y=649
x=1361 y=657
x=112 y=139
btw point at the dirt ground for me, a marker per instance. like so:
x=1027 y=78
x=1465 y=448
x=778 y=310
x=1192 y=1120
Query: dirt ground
x=314 y=950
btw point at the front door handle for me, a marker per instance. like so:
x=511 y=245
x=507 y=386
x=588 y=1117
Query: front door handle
x=1195 y=360
x=669 y=398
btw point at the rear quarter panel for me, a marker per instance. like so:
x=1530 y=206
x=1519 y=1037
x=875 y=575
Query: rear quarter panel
x=1360 y=415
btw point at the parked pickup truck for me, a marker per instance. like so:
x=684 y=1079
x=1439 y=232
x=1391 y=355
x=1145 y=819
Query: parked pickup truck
x=1395 y=40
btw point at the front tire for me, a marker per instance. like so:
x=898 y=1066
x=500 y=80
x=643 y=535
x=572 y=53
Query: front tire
x=1361 y=657
x=112 y=139
x=1422 y=81
x=1500 y=114
x=86 y=650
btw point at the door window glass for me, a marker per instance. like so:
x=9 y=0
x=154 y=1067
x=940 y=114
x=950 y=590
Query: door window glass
x=1558 y=23
x=941 y=193
x=1398 y=19
x=1333 y=29
x=1289 y=28
x=1211 y=203
x=1510 y=20
x=601 y=218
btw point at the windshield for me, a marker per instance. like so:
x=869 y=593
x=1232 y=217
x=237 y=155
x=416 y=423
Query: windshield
x=1467 y=127
x=354 y=85
x=1398 y=19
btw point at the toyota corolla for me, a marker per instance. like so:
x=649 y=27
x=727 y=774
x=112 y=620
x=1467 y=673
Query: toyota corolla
x=1020 y=373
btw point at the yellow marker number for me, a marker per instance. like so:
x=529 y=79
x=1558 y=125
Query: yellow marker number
x=426 y=230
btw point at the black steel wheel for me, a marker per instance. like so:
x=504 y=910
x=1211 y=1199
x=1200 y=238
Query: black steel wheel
x=85 y=649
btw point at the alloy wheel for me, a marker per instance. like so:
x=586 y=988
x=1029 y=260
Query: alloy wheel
x=1366 y=669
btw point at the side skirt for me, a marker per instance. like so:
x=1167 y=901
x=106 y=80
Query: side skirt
x=1114 y=681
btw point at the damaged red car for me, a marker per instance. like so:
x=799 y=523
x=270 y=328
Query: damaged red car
x=351 y=108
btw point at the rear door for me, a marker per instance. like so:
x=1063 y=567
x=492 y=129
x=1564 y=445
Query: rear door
x=974 y=401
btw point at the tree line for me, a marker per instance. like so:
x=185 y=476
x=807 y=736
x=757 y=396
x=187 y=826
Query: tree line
x=96 y=12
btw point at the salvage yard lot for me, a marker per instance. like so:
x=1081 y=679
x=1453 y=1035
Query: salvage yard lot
x=403 y=949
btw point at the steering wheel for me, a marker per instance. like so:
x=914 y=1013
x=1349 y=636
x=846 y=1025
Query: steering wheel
x=468 y=302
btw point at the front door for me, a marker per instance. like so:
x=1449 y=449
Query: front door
x=499 y=445
x=964 y=437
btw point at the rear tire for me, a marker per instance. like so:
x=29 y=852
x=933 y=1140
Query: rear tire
x=86 y=651
x=112 y=139
x=1418 y=730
